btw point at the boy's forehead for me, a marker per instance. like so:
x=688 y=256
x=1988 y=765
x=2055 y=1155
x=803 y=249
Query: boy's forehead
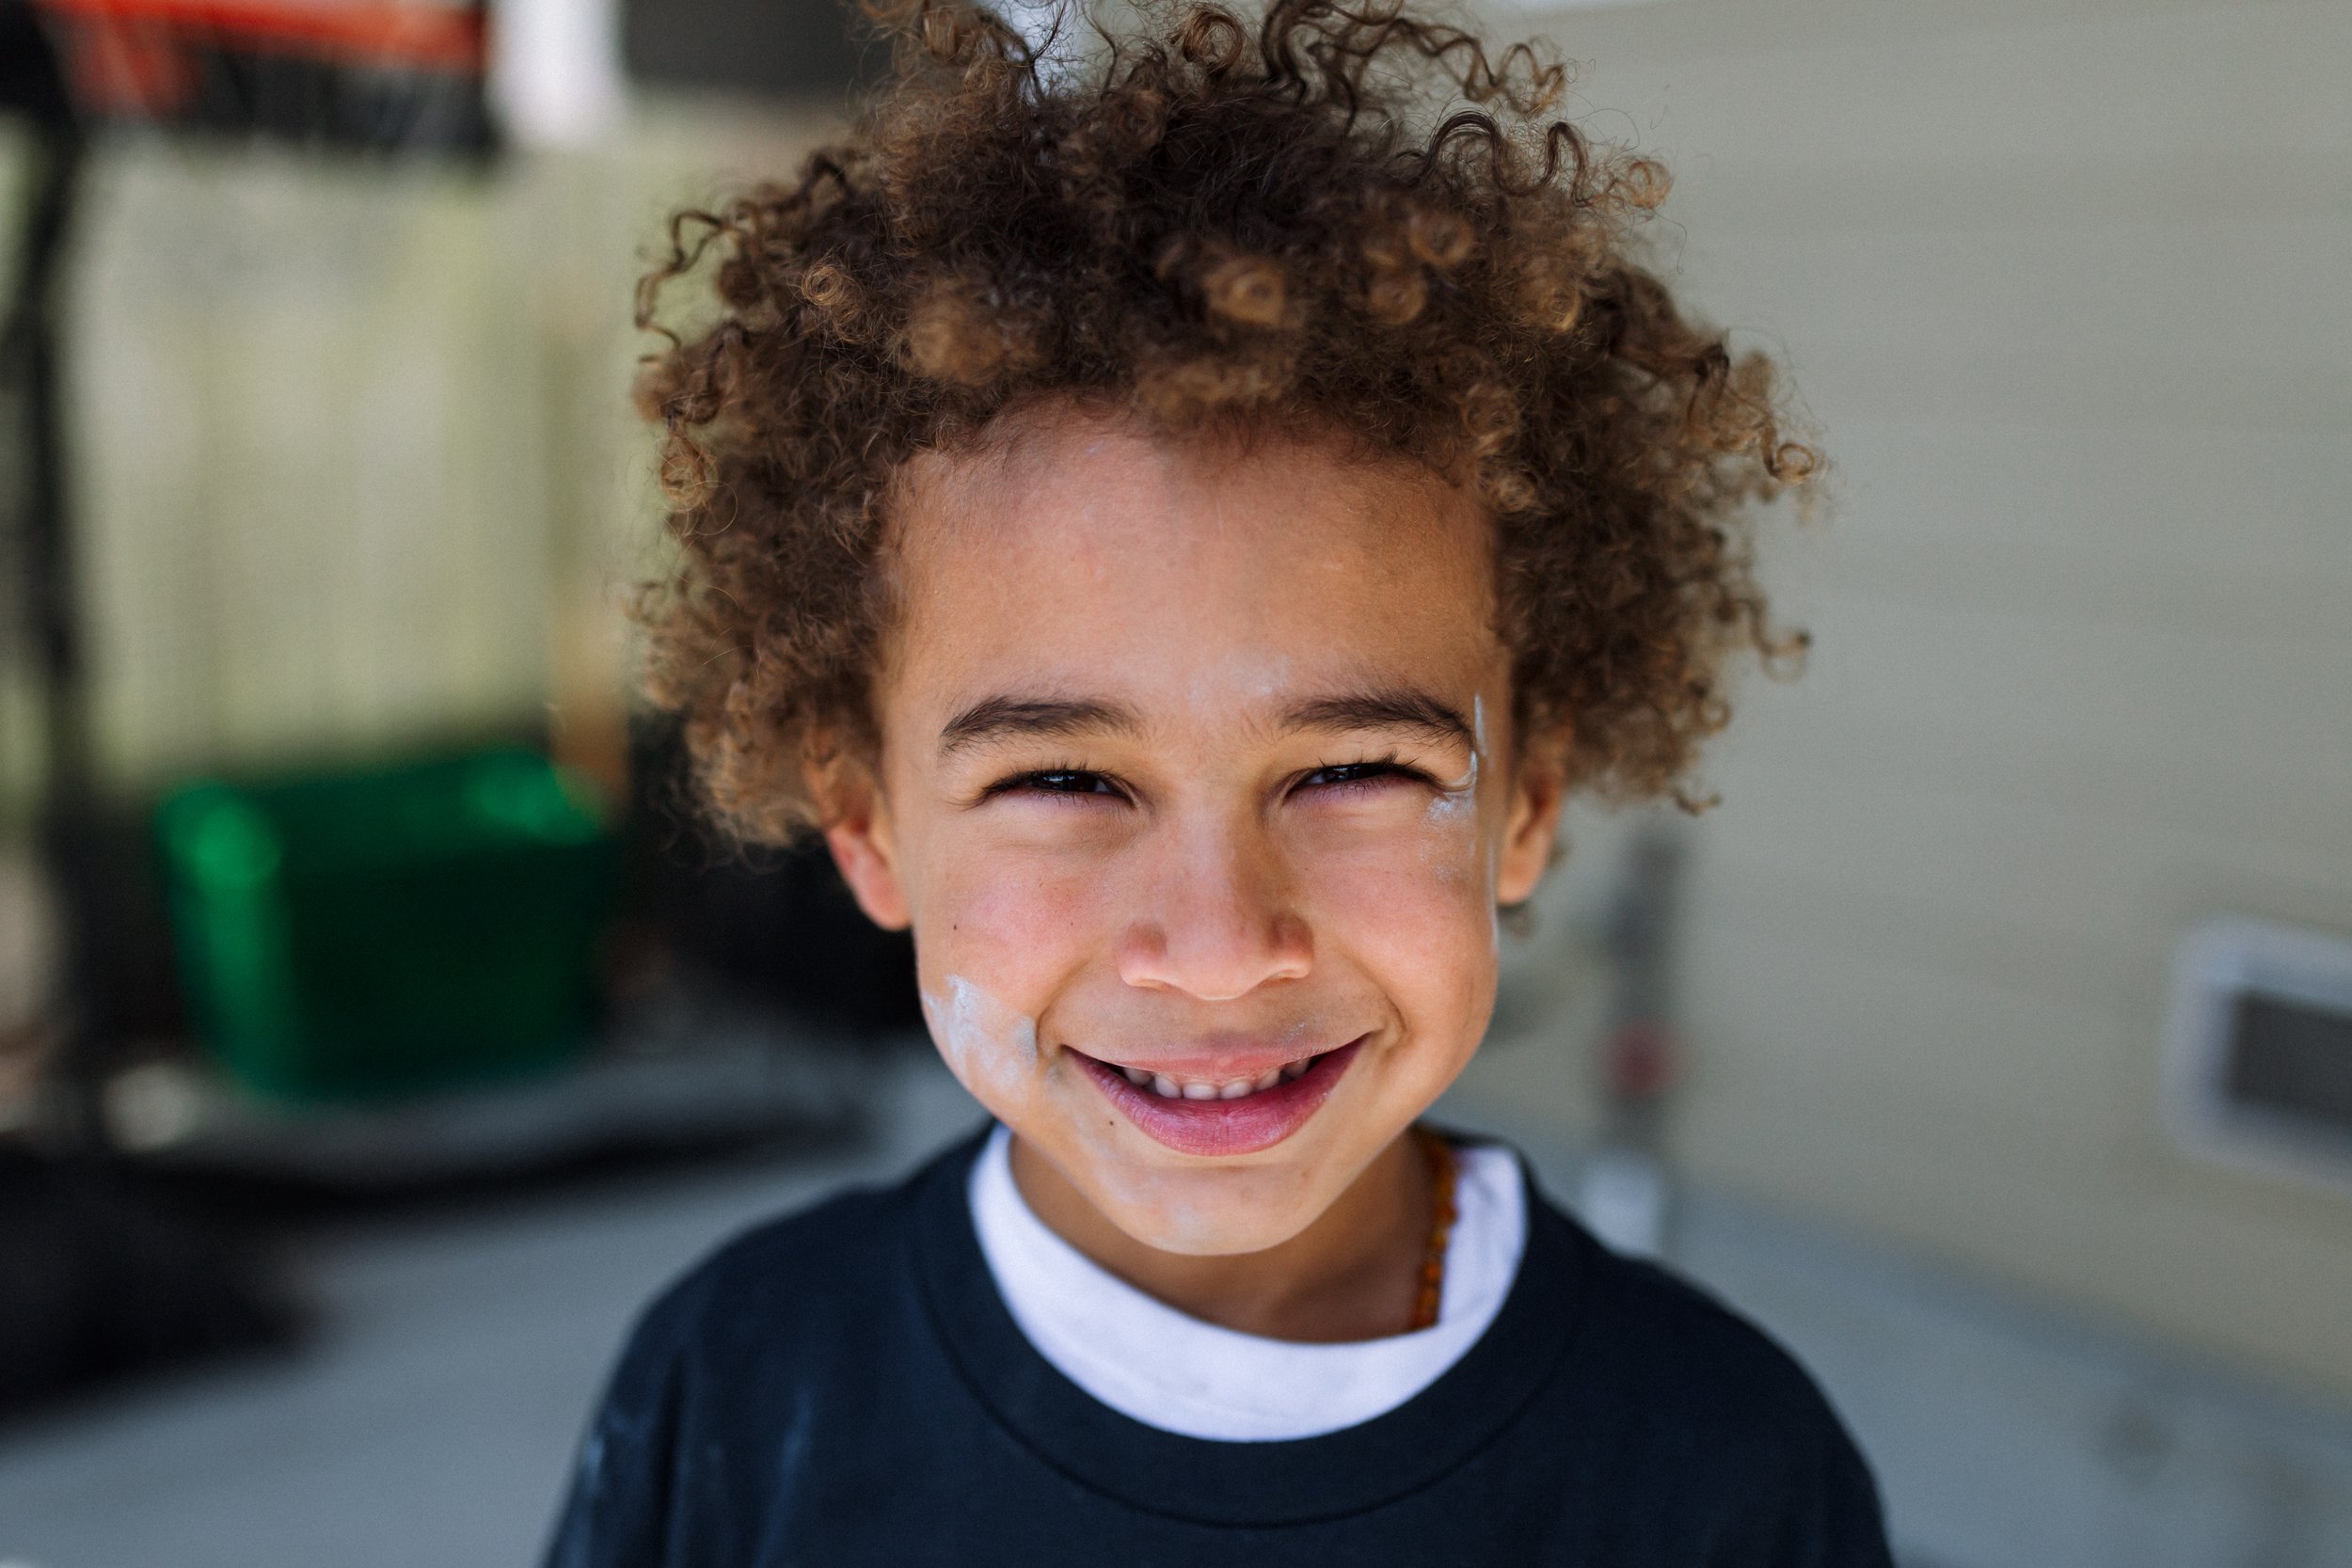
x=1097 y=555
x=1168 y=577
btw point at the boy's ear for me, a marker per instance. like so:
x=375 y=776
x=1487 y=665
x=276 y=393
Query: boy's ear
x=863 y=847
x=1538 y=793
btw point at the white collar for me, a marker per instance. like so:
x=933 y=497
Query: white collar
x=1147 y=1360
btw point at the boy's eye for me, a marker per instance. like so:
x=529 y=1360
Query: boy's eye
x=1055 y=781
x=1347 y=773
x=1069 y=781
x=1339 y=777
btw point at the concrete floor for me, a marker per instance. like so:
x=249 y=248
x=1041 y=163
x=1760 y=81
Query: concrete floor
x=433 y=1423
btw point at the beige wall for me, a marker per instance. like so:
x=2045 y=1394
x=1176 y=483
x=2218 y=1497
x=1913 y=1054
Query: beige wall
x=2069 y=286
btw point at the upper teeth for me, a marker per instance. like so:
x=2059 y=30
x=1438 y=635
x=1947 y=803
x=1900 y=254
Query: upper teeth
x=1171 y=1087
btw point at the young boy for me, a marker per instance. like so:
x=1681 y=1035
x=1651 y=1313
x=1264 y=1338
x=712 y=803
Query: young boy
x=1179 y=527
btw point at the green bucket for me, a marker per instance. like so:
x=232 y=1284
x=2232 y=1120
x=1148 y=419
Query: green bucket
x=379 y=934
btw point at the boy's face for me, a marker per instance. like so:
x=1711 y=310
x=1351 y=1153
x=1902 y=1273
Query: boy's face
x=1195 y=769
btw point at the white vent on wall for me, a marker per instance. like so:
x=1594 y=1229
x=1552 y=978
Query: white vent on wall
x=2261 y=1069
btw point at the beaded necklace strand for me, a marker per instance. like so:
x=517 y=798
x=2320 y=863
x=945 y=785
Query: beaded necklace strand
x=1439 y=1155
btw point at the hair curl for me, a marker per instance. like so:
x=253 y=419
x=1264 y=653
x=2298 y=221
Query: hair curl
x=1345 y=216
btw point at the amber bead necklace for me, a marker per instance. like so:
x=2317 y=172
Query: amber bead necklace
x=1439 y=1155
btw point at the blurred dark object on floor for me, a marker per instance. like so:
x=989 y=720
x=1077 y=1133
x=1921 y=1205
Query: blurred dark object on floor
x=100 y=1282
x=380 y=932
x=778 y=925
x=785 y=49
x=379 y=77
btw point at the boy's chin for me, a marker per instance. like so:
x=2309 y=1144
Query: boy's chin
x=1210 y=1213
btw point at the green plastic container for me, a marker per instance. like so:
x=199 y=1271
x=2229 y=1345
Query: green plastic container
x=383 y=934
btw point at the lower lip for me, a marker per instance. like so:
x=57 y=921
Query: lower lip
x=1243 y=1125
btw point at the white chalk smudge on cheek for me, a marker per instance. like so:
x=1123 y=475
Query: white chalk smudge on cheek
x=1453 y=806
x=973 y=1009
x=990 y=1047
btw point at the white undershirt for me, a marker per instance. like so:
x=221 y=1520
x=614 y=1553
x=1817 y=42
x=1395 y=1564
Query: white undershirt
x=1145 y=1359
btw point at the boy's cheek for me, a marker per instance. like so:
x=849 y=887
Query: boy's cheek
x=1025 y=924
x=1021 y=923
x=1433 y=897
x=1025 y=929
x=992 y=952
x=1422 y=928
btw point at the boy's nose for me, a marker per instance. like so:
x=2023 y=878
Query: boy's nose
x=1214 y=921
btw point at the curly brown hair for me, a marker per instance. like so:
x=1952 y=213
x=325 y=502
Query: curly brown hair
x=1343 y=216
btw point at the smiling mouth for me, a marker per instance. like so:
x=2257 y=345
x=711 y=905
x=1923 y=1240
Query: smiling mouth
x=1221 y=1116
x=1171 y=1086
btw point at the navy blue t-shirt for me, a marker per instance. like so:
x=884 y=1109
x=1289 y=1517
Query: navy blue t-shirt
x=844 y=1387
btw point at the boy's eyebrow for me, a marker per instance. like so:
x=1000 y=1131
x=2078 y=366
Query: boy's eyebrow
x=996 y=718
x=1390 y=708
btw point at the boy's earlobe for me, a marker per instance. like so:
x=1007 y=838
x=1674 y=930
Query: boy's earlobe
x=863 y=850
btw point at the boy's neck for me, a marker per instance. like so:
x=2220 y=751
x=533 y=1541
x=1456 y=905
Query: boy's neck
x=1354 y=1274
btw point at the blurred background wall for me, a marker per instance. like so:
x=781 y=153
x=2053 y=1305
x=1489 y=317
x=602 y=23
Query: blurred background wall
x=358 y=461
x=2068 y=286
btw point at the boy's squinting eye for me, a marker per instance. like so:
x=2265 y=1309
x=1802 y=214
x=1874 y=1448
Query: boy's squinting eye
x=1052 y=780
x=1336 y=778
x=1351 y=776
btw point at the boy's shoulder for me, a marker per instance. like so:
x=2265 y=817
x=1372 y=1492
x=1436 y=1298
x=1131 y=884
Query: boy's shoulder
x=1683 y=1373
x=1664 y=1325
x=840 y=1257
